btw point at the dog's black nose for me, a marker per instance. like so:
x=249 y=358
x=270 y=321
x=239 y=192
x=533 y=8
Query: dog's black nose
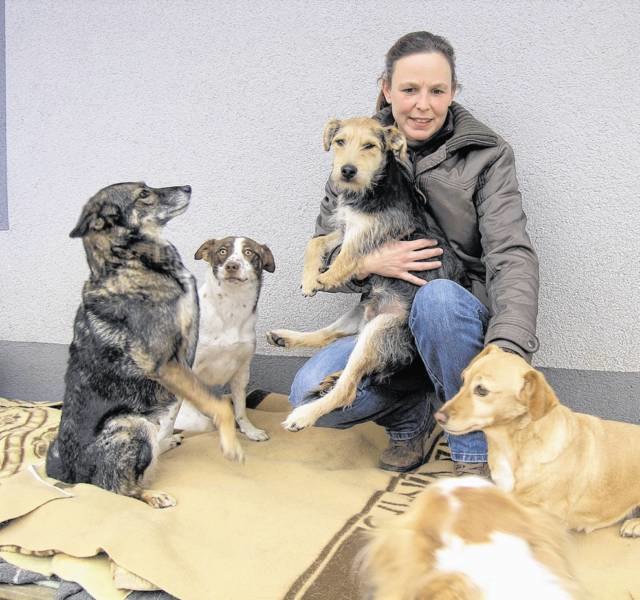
x=348 y=171
x=232 y=266
x=186 y=189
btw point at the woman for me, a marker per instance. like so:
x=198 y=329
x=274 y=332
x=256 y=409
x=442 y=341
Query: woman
x=466 y=174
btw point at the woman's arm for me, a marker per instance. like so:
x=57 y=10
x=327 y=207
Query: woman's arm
x=509 y=257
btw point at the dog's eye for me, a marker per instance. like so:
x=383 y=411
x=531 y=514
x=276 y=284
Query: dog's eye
x=248 y=252
x=222 y=251
x=144 y=194
x=480 y=390
x=339 y=142
x=368 y=146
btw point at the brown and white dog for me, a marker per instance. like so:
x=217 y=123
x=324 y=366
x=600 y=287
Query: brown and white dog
x=227 y=336
x=580 y=468
x=465 y=539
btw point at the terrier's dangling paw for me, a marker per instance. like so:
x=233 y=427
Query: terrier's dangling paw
x=300 y=418
x=277 y=338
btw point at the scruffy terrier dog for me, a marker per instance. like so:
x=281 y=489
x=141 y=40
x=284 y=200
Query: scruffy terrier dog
x=228 y=314
x=377 y=204
x=134 y=341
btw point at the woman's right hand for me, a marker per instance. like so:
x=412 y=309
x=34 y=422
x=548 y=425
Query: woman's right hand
x=398 y=259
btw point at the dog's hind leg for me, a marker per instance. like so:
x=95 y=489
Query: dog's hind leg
x=124 y=453
x=368 y=356
x=348 y=324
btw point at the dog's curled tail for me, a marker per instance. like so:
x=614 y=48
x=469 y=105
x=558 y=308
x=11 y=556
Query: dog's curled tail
x=324 y=387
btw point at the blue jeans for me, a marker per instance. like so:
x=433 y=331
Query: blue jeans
x=448 y=324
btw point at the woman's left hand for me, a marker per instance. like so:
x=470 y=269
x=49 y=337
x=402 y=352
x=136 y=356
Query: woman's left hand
x=398 y=259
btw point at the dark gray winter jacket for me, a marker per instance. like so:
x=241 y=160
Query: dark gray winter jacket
x=469 y=185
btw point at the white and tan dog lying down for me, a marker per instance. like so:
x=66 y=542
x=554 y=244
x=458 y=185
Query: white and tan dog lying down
x=465 y=539
x=581 y=468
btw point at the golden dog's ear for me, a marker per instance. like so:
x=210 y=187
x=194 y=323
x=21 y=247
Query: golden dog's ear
x=203 y=251
x=484 y=352
x=330 y=130
x=537 y=394
x=395 y=141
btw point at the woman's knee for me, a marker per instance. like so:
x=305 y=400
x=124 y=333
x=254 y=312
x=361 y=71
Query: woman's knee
x=435 y=300
x=304 y=381
x=329 y=360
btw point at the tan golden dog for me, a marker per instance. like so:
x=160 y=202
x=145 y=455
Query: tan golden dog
x=463 y=538
x=579 y=467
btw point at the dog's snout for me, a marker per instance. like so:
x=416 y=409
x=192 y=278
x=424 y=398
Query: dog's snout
x=231 y=266
x=186 y=189
x=348 y=171
x=441 y=417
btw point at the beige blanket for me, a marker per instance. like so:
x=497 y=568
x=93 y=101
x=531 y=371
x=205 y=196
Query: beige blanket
x=287 y=524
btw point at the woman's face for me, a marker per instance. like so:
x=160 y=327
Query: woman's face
x=420 y=94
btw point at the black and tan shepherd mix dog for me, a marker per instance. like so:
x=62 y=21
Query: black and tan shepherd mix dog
x=134 y=342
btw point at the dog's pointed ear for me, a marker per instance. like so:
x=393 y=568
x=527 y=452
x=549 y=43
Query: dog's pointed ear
x=395 y=141
x=266 y=256
x=97 y=216
x=537 y=394
x=330 y=130
x=203 y=251
x=484 y=352
x=89 y=220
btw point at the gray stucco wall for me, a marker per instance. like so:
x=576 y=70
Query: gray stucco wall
x=231 y=97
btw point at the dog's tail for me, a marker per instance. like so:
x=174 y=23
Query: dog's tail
x=378 y=378
x=324 y=387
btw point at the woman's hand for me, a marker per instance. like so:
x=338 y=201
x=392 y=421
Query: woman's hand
x=397 y=259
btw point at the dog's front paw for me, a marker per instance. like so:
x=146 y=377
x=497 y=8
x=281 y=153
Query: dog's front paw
x=277 y=337
x=630 y=528
x=170 y=442
x=232 y=450
x=255 y=434
x=251 y=431
x=324 y=282
x=157 y=499
x=174 y=440
x=309 y=287
x=300 y=418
